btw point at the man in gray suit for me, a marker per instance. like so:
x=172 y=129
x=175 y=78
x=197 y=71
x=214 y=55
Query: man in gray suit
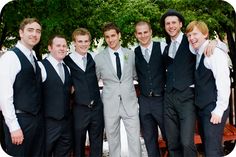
x=115 y=66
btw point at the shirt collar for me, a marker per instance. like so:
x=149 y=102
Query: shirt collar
x=179 y=38
x=24 y=49
x=202 y=47
x=79 y=55
x=149 y=47
x=111 y=51
x=53 y=61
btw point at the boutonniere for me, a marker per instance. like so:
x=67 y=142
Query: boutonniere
x=126 y=57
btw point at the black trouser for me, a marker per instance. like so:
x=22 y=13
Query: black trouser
x=179 y=121
x=2 y=132
x=91 y=120
x=211 y=134
x=58 y=135
x=33 y=145
x=151 y=116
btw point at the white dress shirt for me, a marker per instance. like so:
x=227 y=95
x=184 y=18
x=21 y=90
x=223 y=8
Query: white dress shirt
x=218 y=64
x=113 y=58
x=9 y=67
x=54 y=63
x=178 y=42
x=77 y=58
x=150 y=46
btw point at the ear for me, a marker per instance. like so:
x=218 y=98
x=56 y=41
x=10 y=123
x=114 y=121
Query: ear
x=181 y=24
x=206 y=36
x=21 y=33
x=119 y=35
x=49 y=48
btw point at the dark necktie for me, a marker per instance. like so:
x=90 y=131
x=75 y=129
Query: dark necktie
x=118 y=67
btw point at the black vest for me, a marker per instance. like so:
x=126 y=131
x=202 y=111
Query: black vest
x=56 y=95
x=205 y=86
x=84 y=82
x=151 y=76
x=180 y=70
x=27 y=86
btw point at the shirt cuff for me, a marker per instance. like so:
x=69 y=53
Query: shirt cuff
x=13 y=126
x=218 y=112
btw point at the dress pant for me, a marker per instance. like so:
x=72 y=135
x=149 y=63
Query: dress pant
x=132 y=128
x=179 y=121
x=58 y=135
x=2 y=132
x=151 y=116
x=91 y=120
x=33 y=130
x=211 y=134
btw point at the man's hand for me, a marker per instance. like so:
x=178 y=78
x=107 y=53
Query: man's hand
x=210 y=48
x=215 y=119
x=17 y=137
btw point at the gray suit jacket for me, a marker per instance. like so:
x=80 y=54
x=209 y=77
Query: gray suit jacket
x=114 y=89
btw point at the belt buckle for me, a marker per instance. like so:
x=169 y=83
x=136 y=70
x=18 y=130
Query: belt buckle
x=19 y=111
x=91 y=104
x=150 y=94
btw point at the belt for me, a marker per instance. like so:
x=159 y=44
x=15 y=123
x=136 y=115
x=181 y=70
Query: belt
x=20 y=111
x=152 y=94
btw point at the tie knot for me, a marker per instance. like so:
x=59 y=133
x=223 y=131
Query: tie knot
x=84 y=58
x=116 y=53
x=59 y=64
x=146 y=50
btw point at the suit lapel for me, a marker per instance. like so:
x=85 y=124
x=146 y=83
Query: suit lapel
x=107 y=59
x=126 y=60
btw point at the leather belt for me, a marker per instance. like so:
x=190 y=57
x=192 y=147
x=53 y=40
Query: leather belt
x=152 y=94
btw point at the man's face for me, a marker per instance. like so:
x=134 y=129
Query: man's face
x=173 y=26
x=30 y=35
x=82 y=44
x=144 y=34
x=196 y=38
x=112 y=39
x=58 y=49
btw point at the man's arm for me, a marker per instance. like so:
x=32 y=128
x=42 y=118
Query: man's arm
x=9 y=67
x=213 y=44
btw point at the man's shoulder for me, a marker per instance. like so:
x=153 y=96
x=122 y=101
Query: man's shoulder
x=99 y=55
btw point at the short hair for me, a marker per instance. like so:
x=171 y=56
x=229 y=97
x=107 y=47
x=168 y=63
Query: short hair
x=80 y=31
x=200 y=25
x=142 y=22
x=28 y=21
x=110 y=25
x=50 y=41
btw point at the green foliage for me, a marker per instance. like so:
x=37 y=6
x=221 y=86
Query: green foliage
x=63 y=16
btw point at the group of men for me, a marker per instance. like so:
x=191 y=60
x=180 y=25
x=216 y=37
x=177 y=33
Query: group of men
x=36 y=96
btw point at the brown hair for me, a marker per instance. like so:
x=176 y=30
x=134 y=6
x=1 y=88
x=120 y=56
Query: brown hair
x=80 y=31
x=28 y=21
x=142 y=22
x=108 y=26
x=200 y=25
x=50 y=41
